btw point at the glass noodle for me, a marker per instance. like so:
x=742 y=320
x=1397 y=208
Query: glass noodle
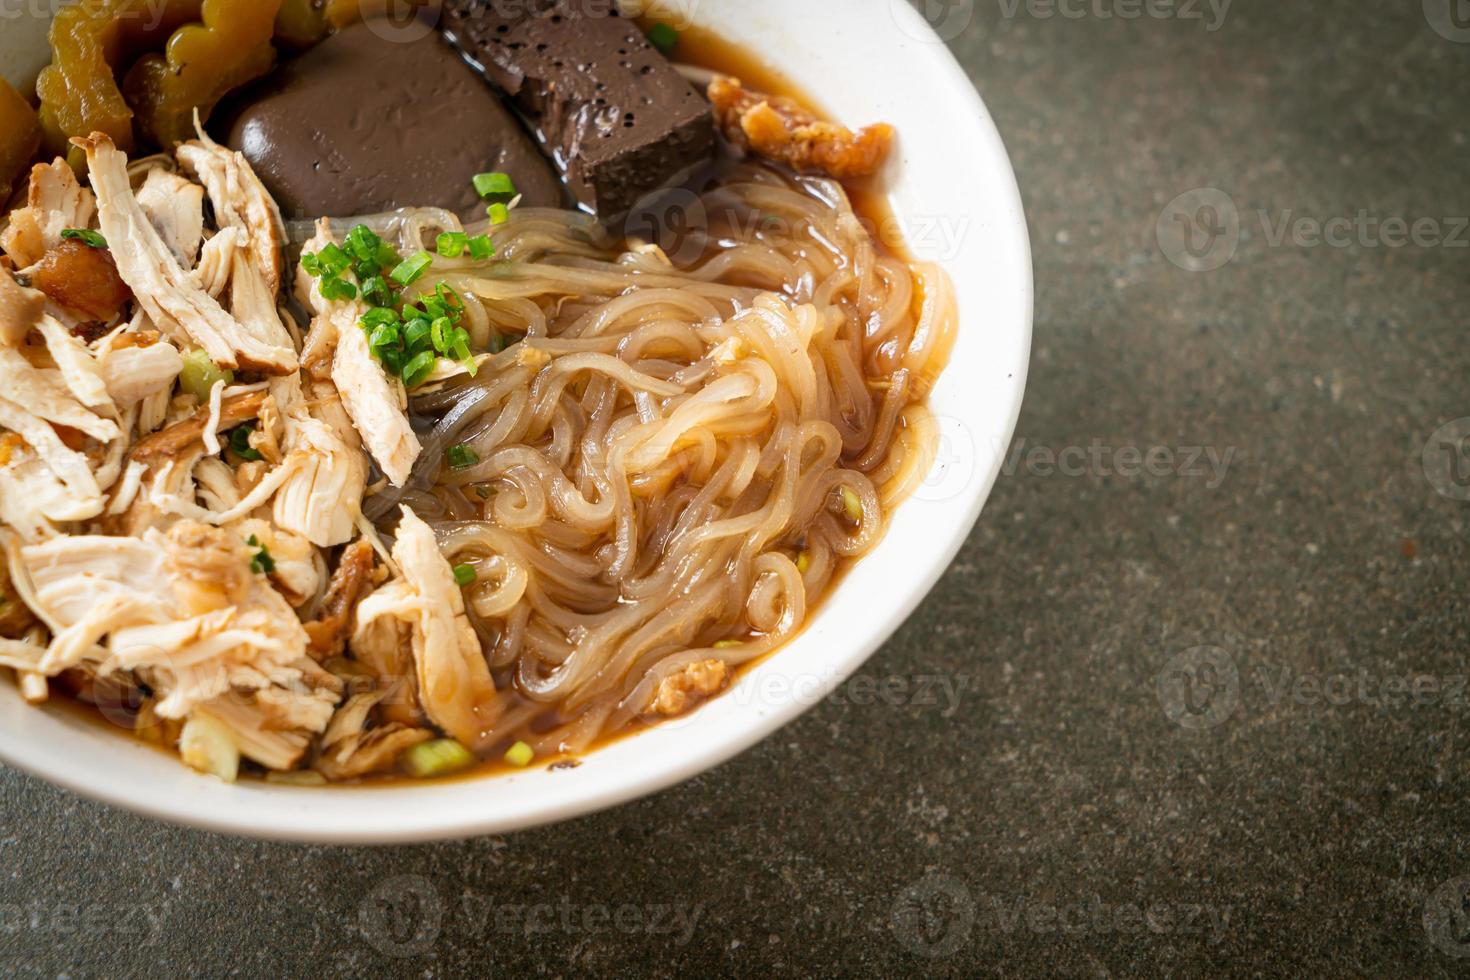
x=684 y=450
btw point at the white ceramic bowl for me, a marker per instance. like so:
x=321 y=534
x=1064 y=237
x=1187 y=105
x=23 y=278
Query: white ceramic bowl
x=953 y=189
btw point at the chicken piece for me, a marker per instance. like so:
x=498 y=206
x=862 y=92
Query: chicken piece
x=374 y=400
x=322 y=498
x=453 y=680
x=44 y=395
x=240 y=201
x=352 y=578
x=681 y=690
x=54 y=203
x=80 y=371
x=33 y=499
x=295 y=575
x=783 y=130
x=185 y=613
x=350 y=749
x=82 y=280
x=82 y=498
x=166 y=292
x=140 y=368
x=15 y=616
x=176 y=440
x=175 y=209
x=242 y=205
x=20 y=310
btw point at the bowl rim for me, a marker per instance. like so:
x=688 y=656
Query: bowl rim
x=439 y=810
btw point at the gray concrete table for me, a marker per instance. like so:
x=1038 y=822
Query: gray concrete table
x=1201 y=665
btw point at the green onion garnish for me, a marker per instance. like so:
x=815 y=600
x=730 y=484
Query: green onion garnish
x=464 y=575
x=240 y=442
x=91 y=239
x=452 y=244
x=200 y=374
x=481 y=247
x=417 y=368
x=437 y=758
x=664 y=37
x=261 y=563
x=461 y=456
x=493 y=184
x=499 y=214
x=520 y=755
x=412 y=268
x=336 y=288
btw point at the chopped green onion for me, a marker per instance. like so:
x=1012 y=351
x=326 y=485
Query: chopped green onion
x=375 y=290
x=383 y=335
x=464 y=575
x=200 y=374
x=91 y=239
x=336 y=288
x=664 y=37
x=498 y=342
x=240 y=442
x=411 y=269
x=437 y=758
x=416 y=333
x=262 y=563
x=452 y=244
x=852 y=505
x=726 y=644
x=520 y=755
x=392 y=359
x=490 y=185
x=484 y=492
x=311 y=264
x=461 y=456
x=333 y=260
x=418 y=368
x=481 y=247
x=439 y=334
x=380 y=315
x=449 y=297
x=499 y=214
x=459 y=346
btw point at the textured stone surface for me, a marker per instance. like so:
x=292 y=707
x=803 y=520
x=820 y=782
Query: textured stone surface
x=1310 y=835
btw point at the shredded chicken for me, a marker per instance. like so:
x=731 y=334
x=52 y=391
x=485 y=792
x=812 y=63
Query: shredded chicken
x=679 y=691
x=426 y=605
x=175 y=209
x=783 y=130
x=54 y=203
x=185 y=436
x=133 y=373
x=350 y=749
x=20 y=309
x=168 y=294
x=322 y=497
x=375 y=401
